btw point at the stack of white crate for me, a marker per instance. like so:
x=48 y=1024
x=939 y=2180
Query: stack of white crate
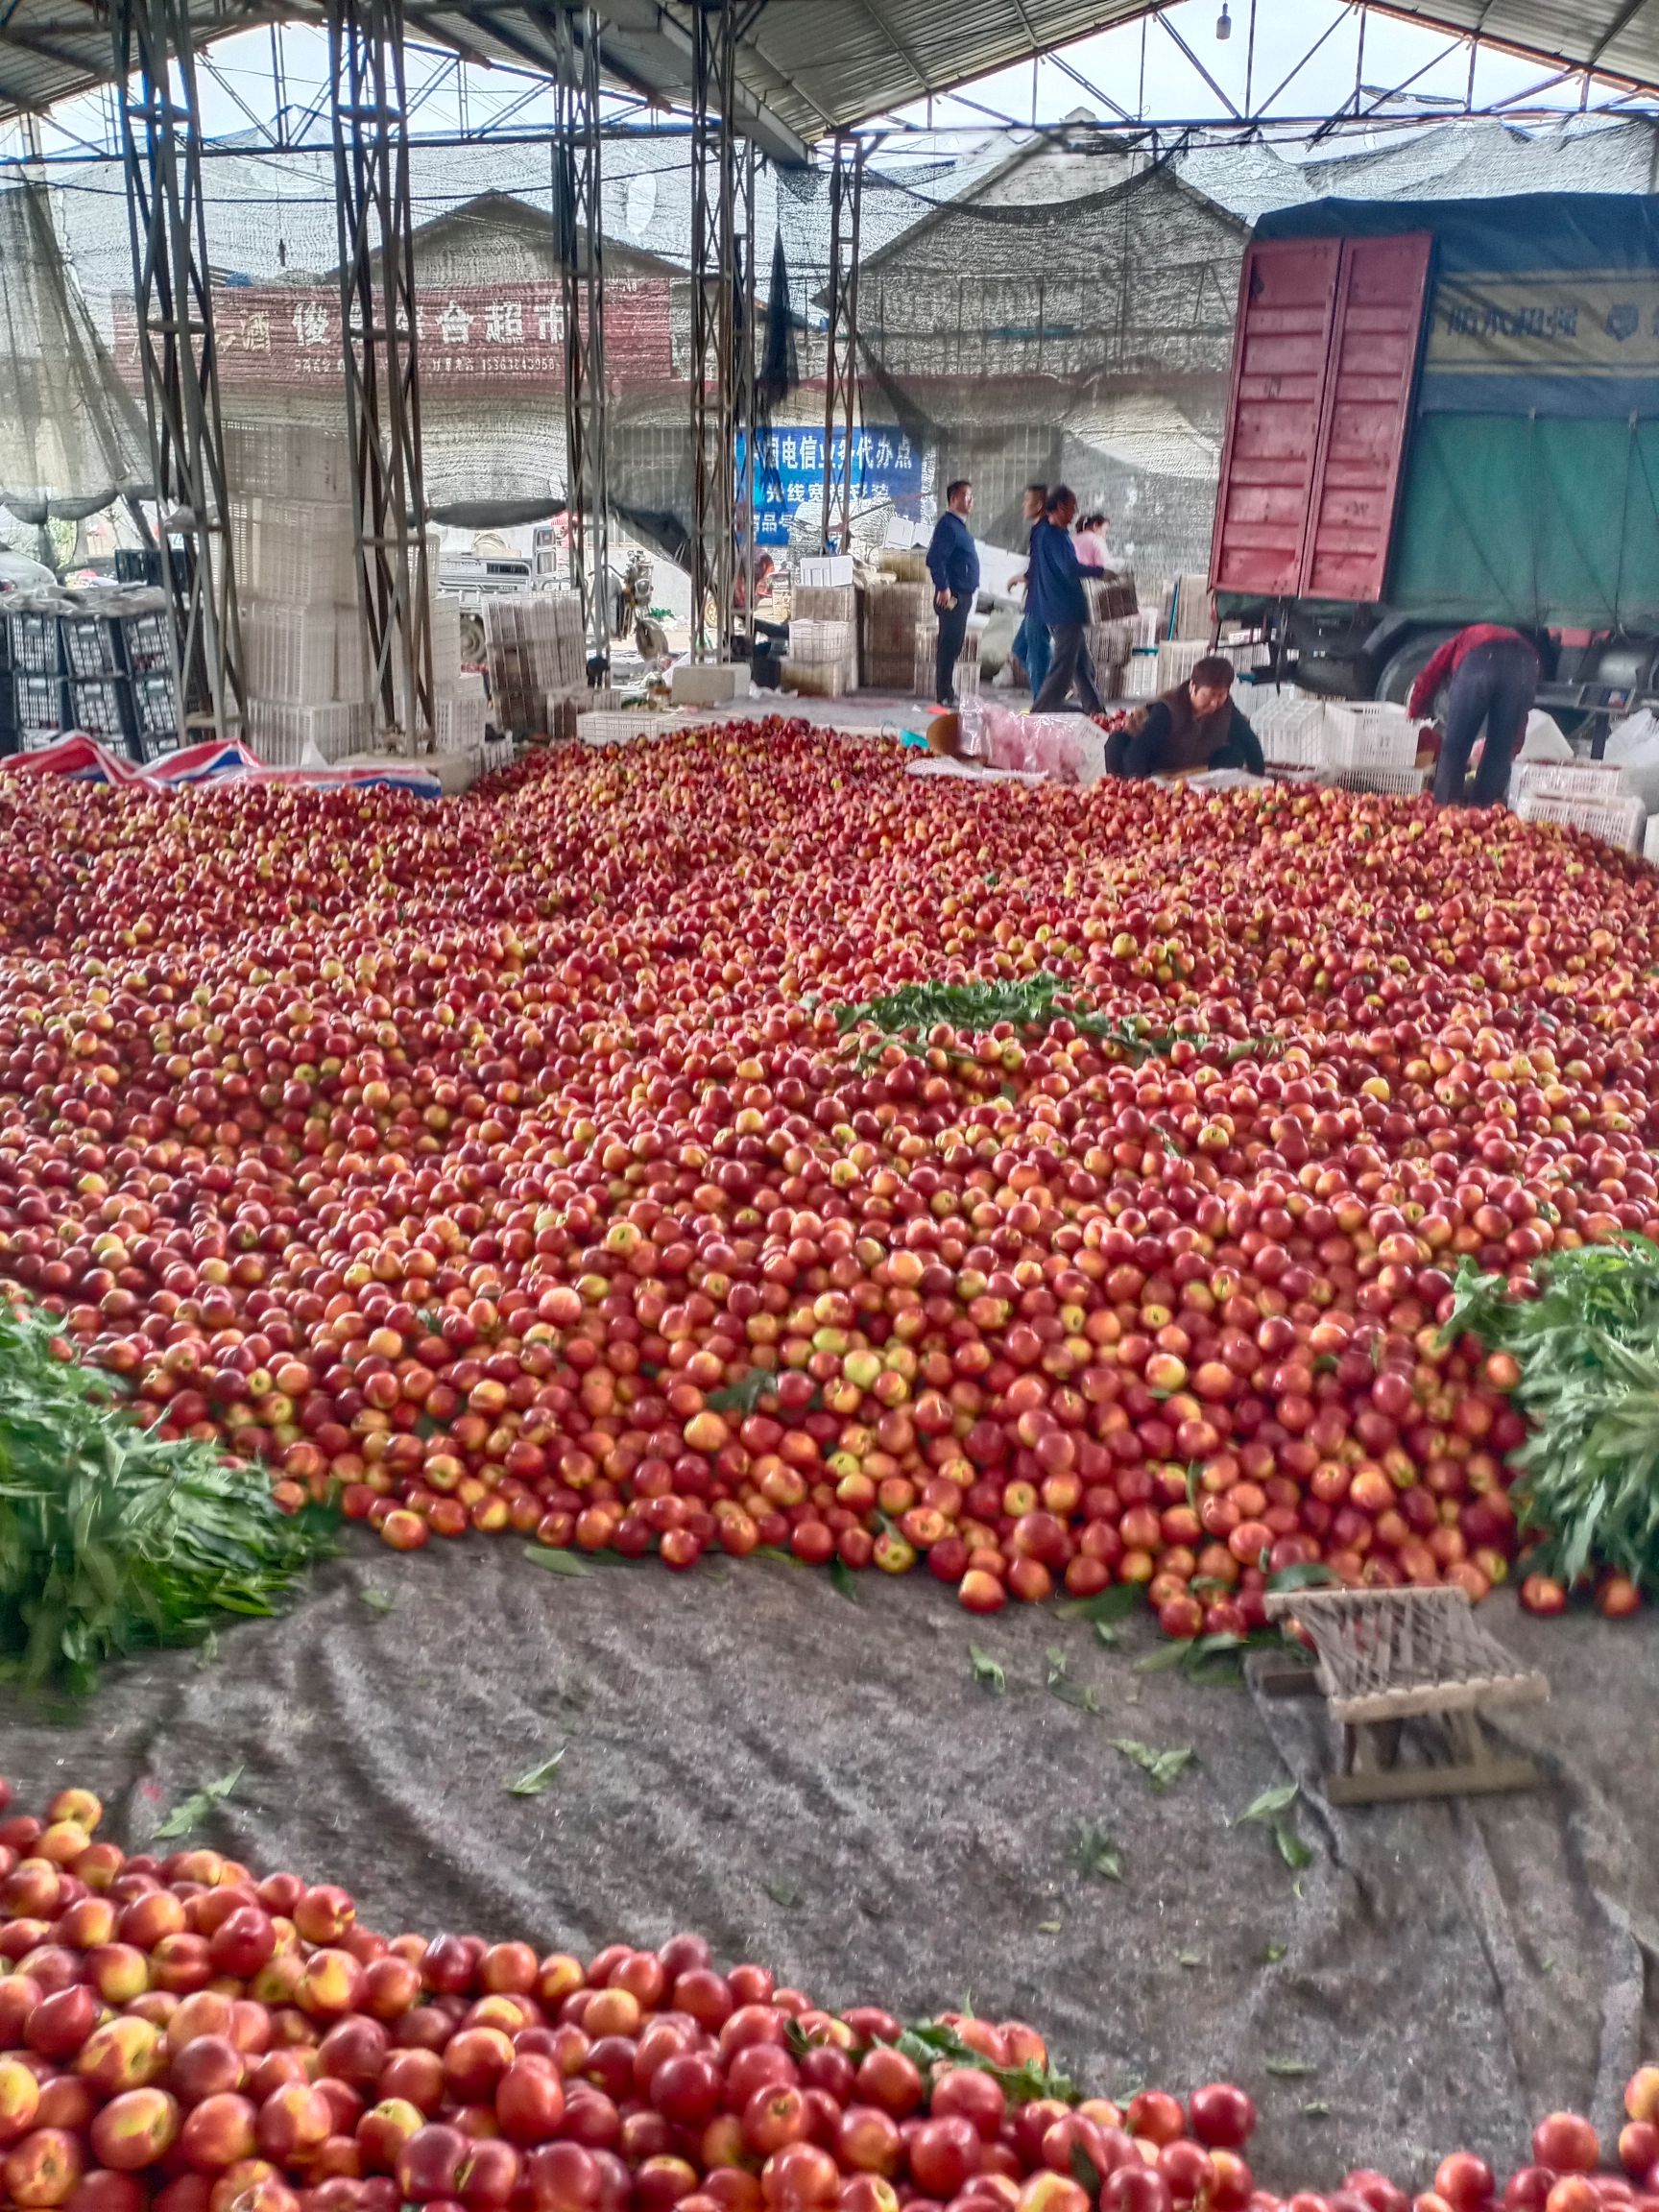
x=293 y=546
x=819 y=659
x=537 y=653
x=928 y=663
x=1589 y=794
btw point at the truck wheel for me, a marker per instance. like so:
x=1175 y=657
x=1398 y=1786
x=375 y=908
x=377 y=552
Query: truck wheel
x=1407 y=663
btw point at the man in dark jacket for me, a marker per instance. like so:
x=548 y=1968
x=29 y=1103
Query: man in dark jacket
x=1055 y=596
x=1031 y=639
x=1194 y=727
x=1494 y=679
x=953 y=563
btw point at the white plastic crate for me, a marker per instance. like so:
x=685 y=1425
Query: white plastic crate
x=279 y=732
x=1177 y=658
x=1141 y=676
x=1369 y=734
x=287 y=461
x=458 y=722
x=304 y=656
x=1615 y=820
x=826 y=570
x=1650 y=839
x=1602 y=781
x=621 y=727
x=1384 y=782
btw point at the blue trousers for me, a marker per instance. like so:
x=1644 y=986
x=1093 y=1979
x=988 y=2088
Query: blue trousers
x=1033 y=649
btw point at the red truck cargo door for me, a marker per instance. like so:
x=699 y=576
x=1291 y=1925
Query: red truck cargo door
x=1287 y=311
x=1374 y=345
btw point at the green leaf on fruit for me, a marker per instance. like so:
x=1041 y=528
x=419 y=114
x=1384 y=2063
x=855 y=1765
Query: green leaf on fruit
x=190 y=1814
x=782 y=1893
x=843 y=1581
x=1115 y=1604
x=1162 y=1768
x=1085 y=2172
x=377 y=1600
x=1288 y=2069
x=1294 y=1852
x=986 y=1672
x=1097 y=1854
x=1272 y=1802
x=927 y=2041
x=556 y=1562
x=775 y=1551
x=1305 y=1575
x=532 y=1784
x=745 y=1394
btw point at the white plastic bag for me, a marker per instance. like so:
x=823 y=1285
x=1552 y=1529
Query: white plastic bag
x=1634 y=746
x=1543 y=740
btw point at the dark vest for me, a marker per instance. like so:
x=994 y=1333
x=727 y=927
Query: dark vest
x=1193 y=739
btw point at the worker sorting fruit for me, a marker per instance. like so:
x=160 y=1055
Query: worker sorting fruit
x=1490 y=677
x=1193 y=726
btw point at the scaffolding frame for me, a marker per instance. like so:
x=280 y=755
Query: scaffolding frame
x=579 y=235
x=161 y=154
x=716 y=278
x=379 y=346
x=841 y=339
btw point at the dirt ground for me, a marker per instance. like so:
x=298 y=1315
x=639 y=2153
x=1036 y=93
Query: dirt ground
x=824 y=1785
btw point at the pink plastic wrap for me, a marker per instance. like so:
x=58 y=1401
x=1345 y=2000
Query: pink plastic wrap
x=1049 y=745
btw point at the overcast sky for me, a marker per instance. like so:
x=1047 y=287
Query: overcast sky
x=1131 y=66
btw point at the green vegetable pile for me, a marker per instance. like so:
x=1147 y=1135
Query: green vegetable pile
x=111 y=1539
x=1032 y=1006
x=1588 y=1350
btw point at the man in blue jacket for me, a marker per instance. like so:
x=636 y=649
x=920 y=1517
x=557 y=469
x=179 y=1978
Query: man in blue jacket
x=1055 y=595
x=953 y=563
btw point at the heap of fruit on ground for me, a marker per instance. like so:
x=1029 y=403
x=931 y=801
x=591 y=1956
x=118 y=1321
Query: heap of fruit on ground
x=738 y=1143
x=178 y=2032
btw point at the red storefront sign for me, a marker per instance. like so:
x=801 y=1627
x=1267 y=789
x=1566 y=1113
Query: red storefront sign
x=492 y=339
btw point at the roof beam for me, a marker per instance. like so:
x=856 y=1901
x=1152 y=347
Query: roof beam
x=1620 y=24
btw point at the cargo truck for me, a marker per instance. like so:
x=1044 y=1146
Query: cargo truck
x=1446 y=411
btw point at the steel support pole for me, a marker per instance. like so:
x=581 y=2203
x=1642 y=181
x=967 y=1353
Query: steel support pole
x=841 y=342
x=161 y=152
x=748 y=412
x=714 y=277
x=579 y=232
x=378 y=329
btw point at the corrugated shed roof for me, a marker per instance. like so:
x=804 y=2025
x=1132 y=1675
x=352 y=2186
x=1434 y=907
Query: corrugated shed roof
x=803 y=70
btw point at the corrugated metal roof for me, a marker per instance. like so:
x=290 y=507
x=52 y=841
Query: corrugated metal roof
x=806 y=67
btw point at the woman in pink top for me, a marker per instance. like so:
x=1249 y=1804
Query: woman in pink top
x=1090 y=539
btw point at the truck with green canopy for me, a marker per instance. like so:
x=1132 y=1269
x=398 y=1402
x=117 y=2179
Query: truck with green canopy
x=1446 y=411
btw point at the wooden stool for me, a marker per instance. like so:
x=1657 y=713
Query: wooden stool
x=1387 y=1656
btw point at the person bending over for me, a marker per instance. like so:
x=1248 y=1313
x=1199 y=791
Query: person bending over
x=1056 y=596
x=1191 y=728
x=1494 y=680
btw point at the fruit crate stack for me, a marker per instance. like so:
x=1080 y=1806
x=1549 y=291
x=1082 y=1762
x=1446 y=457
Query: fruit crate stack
x=537 y=650
x=1111 y=598
x=1110 y=646
x=293 y=540
x=1588 y=794
x=34 y=672
x=821 y=661
x=1191 y=616
x=927 y=664
x=1369 y=734
x=892 y=616
x=1290 y=724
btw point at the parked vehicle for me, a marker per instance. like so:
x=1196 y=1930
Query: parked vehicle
x=1446 y=411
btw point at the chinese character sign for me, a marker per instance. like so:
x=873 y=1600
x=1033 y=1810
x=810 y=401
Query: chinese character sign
x=790 y=473
x=1555 y=341
x=498 y=339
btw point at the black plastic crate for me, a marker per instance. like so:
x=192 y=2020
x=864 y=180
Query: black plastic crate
x=156 y=708
x=137 y=564
x=147 y=641
x=92 y=645
x=37 y=705
x=35 y=641
x=102 y=706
